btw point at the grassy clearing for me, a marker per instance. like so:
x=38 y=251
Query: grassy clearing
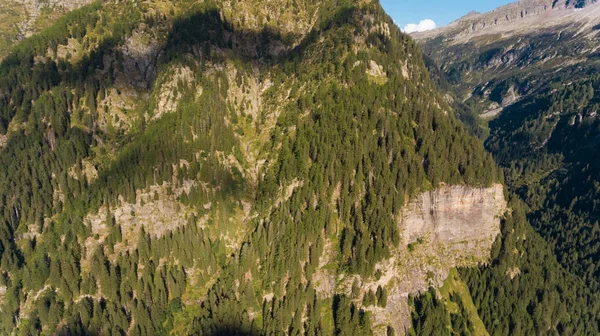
x=454 y=284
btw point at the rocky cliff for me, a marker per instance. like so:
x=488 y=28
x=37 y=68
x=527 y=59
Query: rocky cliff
x=517 y=17
x=453 y=226
x=51 y=8
x=535 y=76
x=455 y=215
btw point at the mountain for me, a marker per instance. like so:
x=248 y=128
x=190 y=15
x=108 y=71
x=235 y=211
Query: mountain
x=513 y=18
x=531 y=69
x=177 y=167
x=22 y=18
x=491 y=57
x=256 y=167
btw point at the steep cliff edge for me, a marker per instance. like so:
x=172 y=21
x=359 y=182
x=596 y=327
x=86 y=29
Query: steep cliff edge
x=454 y=216
x=453 y=226
x=535 y=76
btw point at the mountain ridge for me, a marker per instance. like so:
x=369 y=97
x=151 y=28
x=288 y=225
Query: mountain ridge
x=514 y=18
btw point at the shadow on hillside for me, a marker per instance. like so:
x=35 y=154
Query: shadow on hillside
x=204 y=35
x=515 y=115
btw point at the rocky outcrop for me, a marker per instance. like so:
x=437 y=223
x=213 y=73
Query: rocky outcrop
x=20 y=19
x=455 y=215
x=298 y=18
x=170 y=93
x=141 y=52
x=519 y=16
x=66 y=4
x=33 y=8
x=157 y=210
x=453 y=226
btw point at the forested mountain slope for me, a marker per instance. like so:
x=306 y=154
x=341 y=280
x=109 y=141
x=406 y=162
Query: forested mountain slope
x=184 y=167
x=534 y=76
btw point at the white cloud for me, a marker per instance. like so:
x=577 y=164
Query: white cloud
x=424 y=25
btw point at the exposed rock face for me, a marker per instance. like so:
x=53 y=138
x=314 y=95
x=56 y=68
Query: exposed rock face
x=156 y=209
x=518 y=16
x=453 y=226
x=449 y=227
x=20 y=19
x=298 y=18
x=169 y=96
x=455 y=216
x=66 y=4
x=33 y=7
x=141 y=52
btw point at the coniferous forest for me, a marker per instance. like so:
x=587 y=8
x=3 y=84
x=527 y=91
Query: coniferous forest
x=216 y=168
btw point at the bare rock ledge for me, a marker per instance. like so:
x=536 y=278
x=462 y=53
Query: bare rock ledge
x=455 y=216
x=452 y=226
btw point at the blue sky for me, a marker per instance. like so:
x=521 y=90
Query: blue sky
x=441 y=12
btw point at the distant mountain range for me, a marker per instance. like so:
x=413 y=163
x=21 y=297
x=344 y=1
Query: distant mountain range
x=515 y=18
x=479 y=51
